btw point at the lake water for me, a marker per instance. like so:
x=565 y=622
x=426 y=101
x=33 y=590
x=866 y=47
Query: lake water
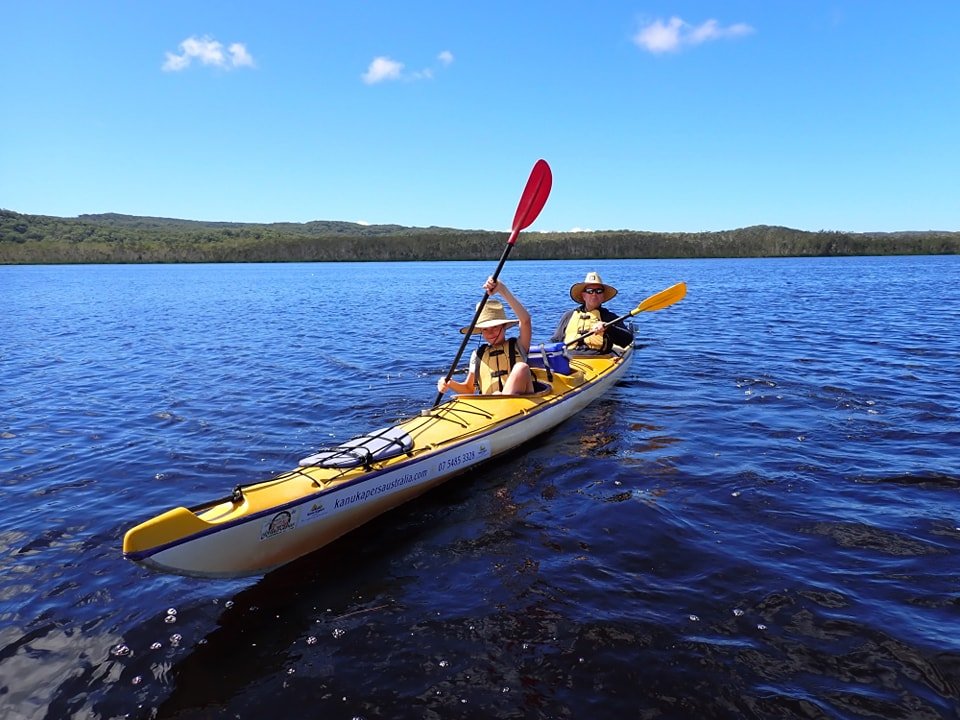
x=762 y=521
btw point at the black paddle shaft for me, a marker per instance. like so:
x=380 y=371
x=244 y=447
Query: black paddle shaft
x=476 y=316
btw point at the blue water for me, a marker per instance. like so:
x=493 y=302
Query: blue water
x=762 y=521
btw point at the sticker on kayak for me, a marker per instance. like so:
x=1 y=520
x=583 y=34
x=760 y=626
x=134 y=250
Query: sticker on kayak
x=313 y=512
x=426 y=470
x=279 y=524
x=464 y=457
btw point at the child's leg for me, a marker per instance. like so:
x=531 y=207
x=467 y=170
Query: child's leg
x=520 y=381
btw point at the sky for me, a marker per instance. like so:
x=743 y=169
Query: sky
x=667 y=116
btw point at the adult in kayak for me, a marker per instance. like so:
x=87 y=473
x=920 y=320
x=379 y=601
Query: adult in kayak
x=499 y=366
x=591 y=316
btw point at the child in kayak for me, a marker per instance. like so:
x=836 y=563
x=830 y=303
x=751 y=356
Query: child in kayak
x=499 y=366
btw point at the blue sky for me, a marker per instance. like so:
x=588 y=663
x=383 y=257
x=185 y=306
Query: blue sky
x=664 y=116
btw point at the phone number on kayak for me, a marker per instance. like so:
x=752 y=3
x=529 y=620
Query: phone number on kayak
x=464 y=458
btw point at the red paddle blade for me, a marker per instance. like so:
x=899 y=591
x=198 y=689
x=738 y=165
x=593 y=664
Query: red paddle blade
x=534 y=197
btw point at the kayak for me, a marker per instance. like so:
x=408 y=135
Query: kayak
x=269 y=523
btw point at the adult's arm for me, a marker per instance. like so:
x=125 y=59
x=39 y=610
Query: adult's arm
x=560 y=333
x=618 y=332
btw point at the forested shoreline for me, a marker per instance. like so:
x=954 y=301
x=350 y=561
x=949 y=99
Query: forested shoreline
x=113 y=238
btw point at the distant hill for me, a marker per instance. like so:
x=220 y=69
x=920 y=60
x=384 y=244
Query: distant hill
x=115 y=238
x=316 y=227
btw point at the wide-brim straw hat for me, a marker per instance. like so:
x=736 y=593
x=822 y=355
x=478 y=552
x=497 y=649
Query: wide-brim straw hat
x=492 y=315
x=592 y=278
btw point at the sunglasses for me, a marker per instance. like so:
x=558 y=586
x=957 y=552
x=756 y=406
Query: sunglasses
x=594 y=291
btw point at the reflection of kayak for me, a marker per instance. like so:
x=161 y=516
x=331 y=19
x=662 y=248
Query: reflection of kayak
x=267 y=524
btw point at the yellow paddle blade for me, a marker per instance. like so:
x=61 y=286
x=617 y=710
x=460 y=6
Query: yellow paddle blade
x=664 y=298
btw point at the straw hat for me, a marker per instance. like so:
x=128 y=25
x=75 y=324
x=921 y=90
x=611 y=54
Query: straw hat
x=592 y=278
x=491 y=316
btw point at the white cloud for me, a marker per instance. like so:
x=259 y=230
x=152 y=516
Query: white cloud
x=239 y=55
x=659 y=37
x=208 y=51
x=382 y=69
x=175 y=63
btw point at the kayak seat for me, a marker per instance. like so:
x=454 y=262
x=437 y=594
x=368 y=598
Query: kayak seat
x=363 y=450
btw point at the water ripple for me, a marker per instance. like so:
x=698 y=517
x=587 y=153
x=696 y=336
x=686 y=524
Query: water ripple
x=760 y=521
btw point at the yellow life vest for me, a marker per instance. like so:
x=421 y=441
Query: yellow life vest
x=582 y=321
x=493 y=365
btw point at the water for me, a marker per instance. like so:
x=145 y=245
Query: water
x=762 y=521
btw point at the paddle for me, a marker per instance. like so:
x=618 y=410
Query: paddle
x=535 y=195
x=664 y=298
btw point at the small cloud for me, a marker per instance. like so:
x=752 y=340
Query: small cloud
x=659 y=37
x=425 y=74
x=383 y=69
x=208 y=51
x=239 y=56
x=362 y=222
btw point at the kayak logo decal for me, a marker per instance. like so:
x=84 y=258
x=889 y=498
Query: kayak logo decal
x=315 y=510
x=278 y=524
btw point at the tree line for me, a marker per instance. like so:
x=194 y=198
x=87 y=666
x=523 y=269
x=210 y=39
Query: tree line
x=113 y=238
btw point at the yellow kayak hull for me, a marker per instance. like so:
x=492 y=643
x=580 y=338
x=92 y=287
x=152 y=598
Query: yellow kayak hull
x=270 y=523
